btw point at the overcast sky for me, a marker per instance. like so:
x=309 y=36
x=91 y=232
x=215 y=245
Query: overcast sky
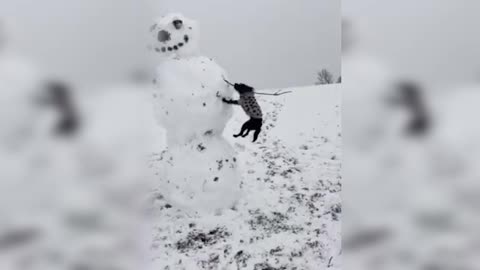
x=102 y=40
x=267 y=43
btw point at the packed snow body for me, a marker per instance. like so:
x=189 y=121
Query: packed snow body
x=186 y=101
x=199 y=166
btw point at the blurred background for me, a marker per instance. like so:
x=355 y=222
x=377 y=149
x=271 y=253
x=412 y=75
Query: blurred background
x=410 y=98
x=84 y=42
x=76 y=127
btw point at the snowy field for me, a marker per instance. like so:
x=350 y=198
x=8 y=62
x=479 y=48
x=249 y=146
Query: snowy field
x=290 y=211
x=73 y=203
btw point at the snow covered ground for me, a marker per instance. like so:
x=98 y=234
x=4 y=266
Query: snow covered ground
x=73 y=203
x=289 y=215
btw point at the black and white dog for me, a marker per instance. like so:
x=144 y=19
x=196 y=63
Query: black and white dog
x=250 y=105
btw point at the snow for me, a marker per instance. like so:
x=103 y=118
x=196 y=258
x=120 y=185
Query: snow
x=198 y=169
x=290 y=210
x=183 y=42
x=82 y=210
x=185 y=98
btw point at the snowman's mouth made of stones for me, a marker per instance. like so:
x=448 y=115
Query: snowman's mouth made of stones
x=164 y=37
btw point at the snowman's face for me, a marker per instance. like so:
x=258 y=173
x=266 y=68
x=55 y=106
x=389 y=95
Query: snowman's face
x=175 y=35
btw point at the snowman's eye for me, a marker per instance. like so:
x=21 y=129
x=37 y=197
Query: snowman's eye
x=178 y=24
x=163 y=36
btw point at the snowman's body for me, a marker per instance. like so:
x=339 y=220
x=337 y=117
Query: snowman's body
x=198 y=170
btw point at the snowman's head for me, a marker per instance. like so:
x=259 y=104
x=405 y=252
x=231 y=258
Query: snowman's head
x=175 y=35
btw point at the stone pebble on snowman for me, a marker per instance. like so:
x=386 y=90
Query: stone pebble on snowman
x=198 y=170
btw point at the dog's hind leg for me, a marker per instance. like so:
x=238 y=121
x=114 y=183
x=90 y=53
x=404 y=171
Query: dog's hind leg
x=255 y=135
x=242 y=130
x=246 y=133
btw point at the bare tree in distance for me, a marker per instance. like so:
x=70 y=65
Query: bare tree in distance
x=326 y=77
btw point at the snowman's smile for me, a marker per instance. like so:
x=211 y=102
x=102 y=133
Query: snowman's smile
x=164 y=37
x=173 y=35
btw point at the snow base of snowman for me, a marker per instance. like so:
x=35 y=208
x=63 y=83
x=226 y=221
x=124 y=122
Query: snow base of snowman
x=201 y=176
x=198 y=170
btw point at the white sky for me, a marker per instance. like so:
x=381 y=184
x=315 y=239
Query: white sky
x=267 y=43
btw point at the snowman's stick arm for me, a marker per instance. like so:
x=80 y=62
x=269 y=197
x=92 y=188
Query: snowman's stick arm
x=278 y=93
x=229 y=83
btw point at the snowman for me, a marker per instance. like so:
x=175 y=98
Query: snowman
x=198 y=169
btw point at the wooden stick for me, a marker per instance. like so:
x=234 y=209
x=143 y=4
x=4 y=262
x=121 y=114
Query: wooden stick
x=229 y=83
x=278 y=93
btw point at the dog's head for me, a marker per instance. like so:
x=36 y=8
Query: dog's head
x=243 y=88
x=175 y=35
